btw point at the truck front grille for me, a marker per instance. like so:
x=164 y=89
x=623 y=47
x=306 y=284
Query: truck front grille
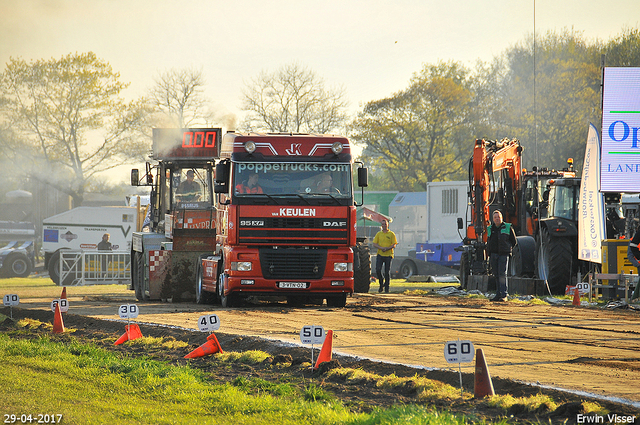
x=292 y=263
x=284 y=231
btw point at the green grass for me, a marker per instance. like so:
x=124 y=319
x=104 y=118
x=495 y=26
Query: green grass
x=35 y=287
x=87 y=385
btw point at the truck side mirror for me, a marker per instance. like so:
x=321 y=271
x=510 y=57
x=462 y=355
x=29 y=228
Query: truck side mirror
x=460 y=223
x=135 y=177
x=363 y=177
x=221 y=183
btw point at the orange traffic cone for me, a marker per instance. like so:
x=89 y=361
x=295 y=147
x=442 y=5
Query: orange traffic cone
x=131 y=332
x=63 y=296
x=325 y=352
x=212 y=346
x=58 y=324
x=483 y=385
x=576 y=297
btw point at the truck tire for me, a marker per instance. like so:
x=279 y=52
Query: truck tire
x=137 y=276
x=523 y=260
x=17 y=265
x=54 y=271
x=407 y=269
x=555 y=261
x=225 y=300
x=202 y=296
x=337 y=301
x=362 y=276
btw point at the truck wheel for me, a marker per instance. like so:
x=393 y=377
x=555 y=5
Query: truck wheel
x=18 y=265
x=408 y=269
x=555 y=260
x=362 y=276
x=137 y=276
x=202 y=296
x=337 y=301
x=225 y=300
x=54 y=271
x=524 y=257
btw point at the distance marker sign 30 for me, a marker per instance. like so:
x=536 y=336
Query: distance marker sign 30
x=128 y=311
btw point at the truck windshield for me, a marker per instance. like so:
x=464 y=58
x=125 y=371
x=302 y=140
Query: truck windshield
x=190 y=187
x=310 y=179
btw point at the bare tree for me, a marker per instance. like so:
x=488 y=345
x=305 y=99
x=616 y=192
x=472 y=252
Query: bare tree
x=70 y=120
x=293 y=99
x=179 y=94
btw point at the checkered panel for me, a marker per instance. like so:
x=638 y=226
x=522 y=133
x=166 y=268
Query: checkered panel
x=157 y=259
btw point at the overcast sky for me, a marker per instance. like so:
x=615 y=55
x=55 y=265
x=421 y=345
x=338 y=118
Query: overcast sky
x=371 y=48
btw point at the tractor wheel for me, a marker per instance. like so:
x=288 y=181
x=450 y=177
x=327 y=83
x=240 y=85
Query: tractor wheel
x=362 y=276
x=555 y=261
x=137 y=276
x=523 y=260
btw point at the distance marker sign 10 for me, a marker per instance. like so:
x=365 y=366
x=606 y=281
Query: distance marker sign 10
x=11 y=300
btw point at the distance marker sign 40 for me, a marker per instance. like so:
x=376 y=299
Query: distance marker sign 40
x=208 y=323
x=458 y=351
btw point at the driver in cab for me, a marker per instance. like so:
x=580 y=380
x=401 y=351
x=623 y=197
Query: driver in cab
x=188 y=190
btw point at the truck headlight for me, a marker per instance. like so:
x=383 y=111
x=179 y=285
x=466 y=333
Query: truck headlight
x=342 y=267
x=241 y=266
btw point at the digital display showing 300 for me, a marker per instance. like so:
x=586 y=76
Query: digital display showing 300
x=185 y=143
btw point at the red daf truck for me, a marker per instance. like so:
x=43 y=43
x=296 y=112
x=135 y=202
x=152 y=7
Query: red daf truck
x=286 y=220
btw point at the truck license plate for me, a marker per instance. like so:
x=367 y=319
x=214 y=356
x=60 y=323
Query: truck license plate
x=294 y=285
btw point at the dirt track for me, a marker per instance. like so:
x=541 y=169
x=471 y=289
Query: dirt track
x=578 y=348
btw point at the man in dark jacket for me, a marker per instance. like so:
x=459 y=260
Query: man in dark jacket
x=501 y=240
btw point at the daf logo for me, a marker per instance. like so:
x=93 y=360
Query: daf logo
x=251 y=223
x=334 y=224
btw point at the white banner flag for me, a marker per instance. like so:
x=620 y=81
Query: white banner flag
x=591 y=225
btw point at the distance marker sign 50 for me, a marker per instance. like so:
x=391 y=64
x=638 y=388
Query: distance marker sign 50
x=312 y=335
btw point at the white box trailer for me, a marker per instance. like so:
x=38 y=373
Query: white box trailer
x=81 y=229
x=425 y=224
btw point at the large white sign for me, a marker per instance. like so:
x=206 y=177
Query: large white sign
x=591 y=227
x=620 y=171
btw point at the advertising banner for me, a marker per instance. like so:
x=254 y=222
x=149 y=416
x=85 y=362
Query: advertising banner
x=591 y=225
x=621 y=130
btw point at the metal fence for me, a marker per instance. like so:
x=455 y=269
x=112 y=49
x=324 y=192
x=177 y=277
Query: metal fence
x=79 y=268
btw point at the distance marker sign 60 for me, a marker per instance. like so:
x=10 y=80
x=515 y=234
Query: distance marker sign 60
x=458 y=351
x=208 y=323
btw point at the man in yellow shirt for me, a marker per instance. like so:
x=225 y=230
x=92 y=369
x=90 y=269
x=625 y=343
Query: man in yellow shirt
x=384 y=241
